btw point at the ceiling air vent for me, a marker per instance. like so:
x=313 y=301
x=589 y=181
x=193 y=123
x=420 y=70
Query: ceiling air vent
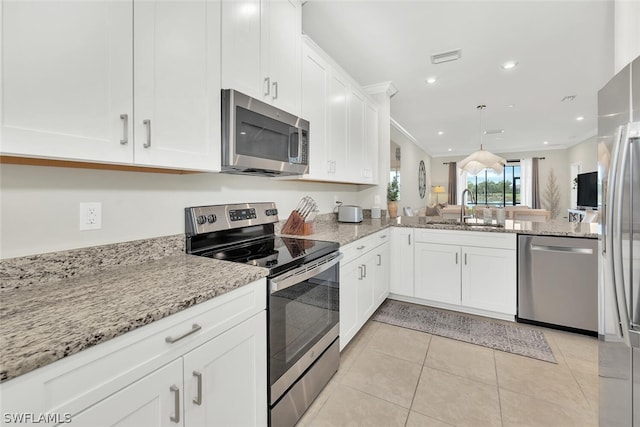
x=439 y=58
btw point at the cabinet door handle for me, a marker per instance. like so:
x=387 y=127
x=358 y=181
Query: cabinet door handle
x=359 y=272
x=364 y=267
x=379 y=259
x=360 y=247
x=267 y=85
x=198 y=399
x=176 y=404
x=409 y=236
x=456 y=258
x=275 y=90
x=384 y=236
x=465 y=258
x=147 y=123
x=194 y=328
x=125 y=129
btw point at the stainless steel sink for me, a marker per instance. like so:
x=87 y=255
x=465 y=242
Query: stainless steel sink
x=477 y=225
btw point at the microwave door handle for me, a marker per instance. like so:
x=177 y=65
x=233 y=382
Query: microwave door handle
x=299 y=147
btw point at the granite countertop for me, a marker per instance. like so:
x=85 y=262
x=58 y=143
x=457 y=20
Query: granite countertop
x=329 y=229
x=51 y=317
x=54 y=305
x=560 y=228
x=344 y=233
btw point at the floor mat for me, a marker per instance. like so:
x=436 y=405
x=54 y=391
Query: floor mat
x=514 y=339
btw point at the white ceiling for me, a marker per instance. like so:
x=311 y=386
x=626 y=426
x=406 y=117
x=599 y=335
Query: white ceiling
x=562 y=48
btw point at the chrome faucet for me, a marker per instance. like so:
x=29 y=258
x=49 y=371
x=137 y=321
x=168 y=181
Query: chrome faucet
x=463 y=207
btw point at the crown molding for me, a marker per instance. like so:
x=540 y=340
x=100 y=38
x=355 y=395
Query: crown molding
x=384 y=87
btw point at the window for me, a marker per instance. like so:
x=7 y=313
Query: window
x=493 y=189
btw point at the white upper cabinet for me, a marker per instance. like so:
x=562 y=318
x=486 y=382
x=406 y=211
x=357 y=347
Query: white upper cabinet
x=371 y=143
x=343 y=134
x=261 y=50
x=67 y=80
x=315 y=89
x=281 y=58
x=337 y=144
x=241 y=49
x=356 y=133
x=69 y=74
x=177 y=84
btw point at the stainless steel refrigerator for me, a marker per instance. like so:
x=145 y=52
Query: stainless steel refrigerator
x=619 y=201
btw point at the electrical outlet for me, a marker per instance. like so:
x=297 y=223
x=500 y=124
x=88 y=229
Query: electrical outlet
x=91 y=216
x=336 y=200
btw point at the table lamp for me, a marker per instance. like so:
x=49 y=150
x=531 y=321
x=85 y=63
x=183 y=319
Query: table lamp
x=438 y=189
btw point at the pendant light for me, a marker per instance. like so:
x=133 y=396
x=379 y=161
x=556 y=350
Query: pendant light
x=482 y=159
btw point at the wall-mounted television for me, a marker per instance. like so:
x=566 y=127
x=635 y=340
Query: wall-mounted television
x=588 y=190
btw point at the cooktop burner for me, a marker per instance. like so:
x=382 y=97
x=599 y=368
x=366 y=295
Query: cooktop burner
x=278 y=254
x=245 y=233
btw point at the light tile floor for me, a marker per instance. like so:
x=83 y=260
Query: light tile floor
x=391 y=376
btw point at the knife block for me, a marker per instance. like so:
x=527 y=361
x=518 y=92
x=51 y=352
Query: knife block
x=297 y=226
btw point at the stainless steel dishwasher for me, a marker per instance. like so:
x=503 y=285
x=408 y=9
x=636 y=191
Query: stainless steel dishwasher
x=558 y=282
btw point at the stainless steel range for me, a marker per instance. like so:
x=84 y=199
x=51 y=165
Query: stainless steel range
x=303 y=297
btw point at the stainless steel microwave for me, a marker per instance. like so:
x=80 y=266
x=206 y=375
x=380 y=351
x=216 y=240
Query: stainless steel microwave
x=260 y=139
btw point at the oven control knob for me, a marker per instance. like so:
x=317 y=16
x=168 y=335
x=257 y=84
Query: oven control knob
x=211 y=218
x=201 y=219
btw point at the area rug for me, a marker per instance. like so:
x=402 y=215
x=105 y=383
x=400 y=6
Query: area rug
x=514 y=339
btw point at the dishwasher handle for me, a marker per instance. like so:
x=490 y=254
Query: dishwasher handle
x=564 y=249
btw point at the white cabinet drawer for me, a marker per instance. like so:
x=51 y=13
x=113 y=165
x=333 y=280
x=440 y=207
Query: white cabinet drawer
x=75 y=382
x=485 y=239
x=364 y=245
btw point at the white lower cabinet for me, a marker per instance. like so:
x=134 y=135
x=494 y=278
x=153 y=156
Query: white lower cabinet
x=222 y=382
x=402 y=265
x=437 y=273
x=382 y=282
x=489 y=279
x=224 y=378
x=155 y=400
x=459 y=270
x=469 y=271
x=364 y=282
x=203 y=366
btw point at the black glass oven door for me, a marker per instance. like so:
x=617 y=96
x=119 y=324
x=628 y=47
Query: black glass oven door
x=301 y=316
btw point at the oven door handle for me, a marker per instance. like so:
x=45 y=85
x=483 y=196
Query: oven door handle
x=304 y=272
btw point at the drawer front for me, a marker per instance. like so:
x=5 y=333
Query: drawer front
x=483 y=239
x=361 y=246
x=74 y=383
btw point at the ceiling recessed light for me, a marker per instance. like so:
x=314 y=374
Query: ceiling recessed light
x=546 y=142
x=511 y=105
x=431 y=80
x=440 y=132
x=509 y=65
x=450 y=149
x=493 y=131
x=580 y=118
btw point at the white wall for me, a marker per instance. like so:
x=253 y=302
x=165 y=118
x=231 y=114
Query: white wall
x=39 y=206
x=411 y=155
x=556 y=159
x=587 y=153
